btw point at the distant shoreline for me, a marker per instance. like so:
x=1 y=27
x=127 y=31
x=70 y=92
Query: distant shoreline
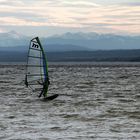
x=77 y=64
x=77 y=56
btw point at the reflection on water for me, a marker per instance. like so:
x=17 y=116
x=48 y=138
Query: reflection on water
x=95 y=102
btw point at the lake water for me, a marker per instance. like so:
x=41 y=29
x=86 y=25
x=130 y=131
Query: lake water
x=98 y=101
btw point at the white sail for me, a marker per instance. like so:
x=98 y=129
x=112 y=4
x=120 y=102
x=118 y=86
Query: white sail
x=36 y=70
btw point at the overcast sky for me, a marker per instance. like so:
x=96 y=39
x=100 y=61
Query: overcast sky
x=48 y=17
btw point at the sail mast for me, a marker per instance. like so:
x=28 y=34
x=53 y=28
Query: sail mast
x=45 y=58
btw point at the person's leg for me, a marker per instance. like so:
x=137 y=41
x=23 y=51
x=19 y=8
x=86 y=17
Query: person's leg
x=42 y=92
x=45 y=91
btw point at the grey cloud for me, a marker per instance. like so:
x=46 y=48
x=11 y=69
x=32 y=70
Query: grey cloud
x=23 y=15
x=131 y=3
x=123 y=16
x=109 y=24
x=11 y=3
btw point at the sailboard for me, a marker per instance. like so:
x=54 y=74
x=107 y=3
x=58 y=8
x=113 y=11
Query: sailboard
x=36 y=76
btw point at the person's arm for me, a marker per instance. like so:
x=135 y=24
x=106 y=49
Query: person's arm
x=40 y=83
x=48 y=81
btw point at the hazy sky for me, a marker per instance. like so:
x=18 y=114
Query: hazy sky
x=48 y=17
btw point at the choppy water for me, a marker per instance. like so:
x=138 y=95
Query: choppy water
x=96 y=102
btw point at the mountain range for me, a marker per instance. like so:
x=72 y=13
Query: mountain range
x=13 y=41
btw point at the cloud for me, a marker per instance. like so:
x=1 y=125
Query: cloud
x=131 y=3
x=80 y=3
x=80 y=14
x=11 y=3
x=113 y=18
x=12 y=21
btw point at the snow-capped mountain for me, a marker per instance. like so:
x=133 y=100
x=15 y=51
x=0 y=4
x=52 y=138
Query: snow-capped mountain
x=71 y=41
x=12 y=39
x=78 y=35
x=96 y=41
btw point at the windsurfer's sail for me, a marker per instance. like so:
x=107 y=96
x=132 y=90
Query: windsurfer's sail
x=37 y=68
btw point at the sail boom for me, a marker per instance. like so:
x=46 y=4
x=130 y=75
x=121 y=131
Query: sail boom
x=34 y=66
x=34 y=74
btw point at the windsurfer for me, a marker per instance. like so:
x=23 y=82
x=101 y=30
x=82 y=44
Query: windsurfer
x=45 y=84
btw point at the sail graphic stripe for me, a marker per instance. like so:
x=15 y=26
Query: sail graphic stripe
x=35 y=49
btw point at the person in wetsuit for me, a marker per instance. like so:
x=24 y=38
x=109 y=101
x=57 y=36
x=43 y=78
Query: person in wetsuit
x=45 y=84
